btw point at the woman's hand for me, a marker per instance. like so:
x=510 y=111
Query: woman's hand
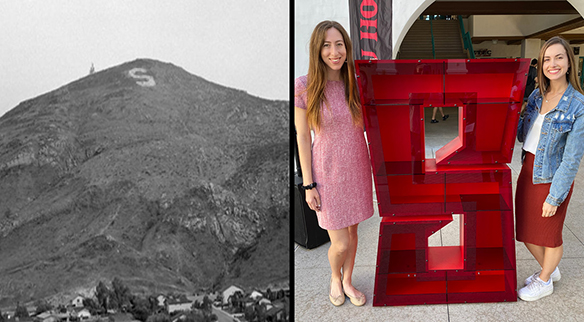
x=548 y=210
x=313 y=199
x=523 y=108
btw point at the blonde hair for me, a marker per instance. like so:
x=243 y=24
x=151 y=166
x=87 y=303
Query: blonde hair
x=317 y=76
x=571 y=75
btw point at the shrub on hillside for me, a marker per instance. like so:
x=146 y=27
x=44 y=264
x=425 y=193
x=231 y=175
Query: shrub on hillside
x=159 y=317
x=21 y=311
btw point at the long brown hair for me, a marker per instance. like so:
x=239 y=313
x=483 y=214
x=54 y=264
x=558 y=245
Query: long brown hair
x=317 y=76
x=571 y=75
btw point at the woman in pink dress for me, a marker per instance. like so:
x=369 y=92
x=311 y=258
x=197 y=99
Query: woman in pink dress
x=335 y=167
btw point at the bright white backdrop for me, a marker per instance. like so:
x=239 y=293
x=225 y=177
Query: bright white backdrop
x=47 y=44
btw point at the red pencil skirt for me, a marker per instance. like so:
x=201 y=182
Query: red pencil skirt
x=531 y=227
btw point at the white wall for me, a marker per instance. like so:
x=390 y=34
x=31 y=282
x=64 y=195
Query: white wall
x=405 y=13
x=500 y=49
x=514 y=25
x=530 y=48
x=308 y=13
x=578 y=5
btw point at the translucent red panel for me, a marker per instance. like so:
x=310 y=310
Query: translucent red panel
x=446 y=82
x=445 y=190
x=481 y=269
x=417 y=196
x=490 y=93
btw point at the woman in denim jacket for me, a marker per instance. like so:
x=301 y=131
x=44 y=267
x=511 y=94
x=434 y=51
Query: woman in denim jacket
x=552 y=132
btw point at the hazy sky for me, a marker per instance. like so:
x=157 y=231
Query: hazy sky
x=44 y=44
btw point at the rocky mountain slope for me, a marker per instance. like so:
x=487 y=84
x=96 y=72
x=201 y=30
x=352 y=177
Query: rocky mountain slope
x=147 y=173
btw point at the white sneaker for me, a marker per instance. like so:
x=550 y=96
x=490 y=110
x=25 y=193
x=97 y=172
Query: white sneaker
x=536 y=290
x=556 y=276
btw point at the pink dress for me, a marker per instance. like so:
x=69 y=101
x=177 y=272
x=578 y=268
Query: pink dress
x=340 y=161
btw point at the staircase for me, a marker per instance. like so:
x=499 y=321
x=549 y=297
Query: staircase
x=447 y=39
x=417 y=43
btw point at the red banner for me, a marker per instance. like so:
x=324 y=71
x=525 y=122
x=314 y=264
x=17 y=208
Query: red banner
x=371 y=28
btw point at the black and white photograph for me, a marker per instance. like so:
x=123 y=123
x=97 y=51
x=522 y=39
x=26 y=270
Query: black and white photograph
x=144 y=160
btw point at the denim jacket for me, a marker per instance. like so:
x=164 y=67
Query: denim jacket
x=561 y=142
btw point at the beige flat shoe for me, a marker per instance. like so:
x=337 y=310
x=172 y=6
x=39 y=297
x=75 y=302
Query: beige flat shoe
x=338 y=300
x=357 y=301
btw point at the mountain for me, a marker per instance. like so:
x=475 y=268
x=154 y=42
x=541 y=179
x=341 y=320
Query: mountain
x=147 y=173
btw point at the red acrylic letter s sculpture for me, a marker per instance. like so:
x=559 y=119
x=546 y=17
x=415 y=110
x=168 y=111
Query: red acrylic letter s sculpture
x=468 y=177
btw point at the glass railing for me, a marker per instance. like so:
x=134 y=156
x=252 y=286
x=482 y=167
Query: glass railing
x=466 y=39
x=433 y=46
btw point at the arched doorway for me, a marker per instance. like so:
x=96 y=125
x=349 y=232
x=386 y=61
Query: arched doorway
x=518 y=18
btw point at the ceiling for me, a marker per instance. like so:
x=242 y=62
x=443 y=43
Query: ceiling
x=518 y=7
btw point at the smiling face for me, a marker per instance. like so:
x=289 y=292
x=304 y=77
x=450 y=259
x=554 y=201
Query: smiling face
x=333 y=53
x=555 y=62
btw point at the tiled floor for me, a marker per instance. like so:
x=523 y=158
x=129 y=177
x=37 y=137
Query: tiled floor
x=312 y=275
x=437 y=134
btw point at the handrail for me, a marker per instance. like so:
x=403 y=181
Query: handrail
x=466 y=39
x=582 y=76
x=433 y=47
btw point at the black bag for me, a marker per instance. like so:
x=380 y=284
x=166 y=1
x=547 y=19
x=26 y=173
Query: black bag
x=307 y=232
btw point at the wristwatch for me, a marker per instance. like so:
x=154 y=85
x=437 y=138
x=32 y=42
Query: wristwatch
x=310 y=186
